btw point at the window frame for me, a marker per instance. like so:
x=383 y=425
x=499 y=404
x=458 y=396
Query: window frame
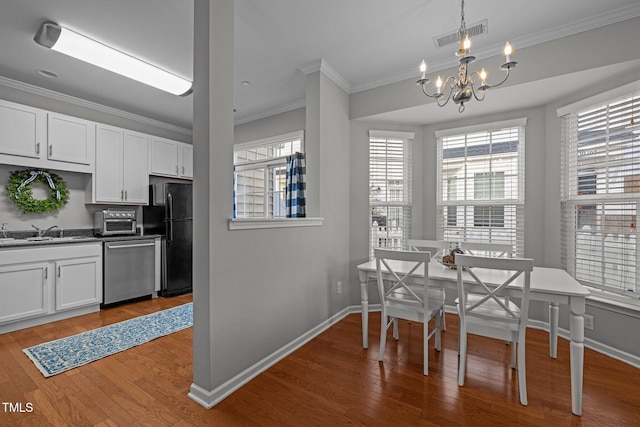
x=406 y=204
x=500 y=207
x=596 y=248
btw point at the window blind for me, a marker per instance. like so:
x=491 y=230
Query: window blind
x=481 y=186
x=600 y=194
x=389 y=192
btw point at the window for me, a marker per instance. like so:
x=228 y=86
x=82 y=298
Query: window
x=260 y=175
x=600 y=194
x=389 y=189
x=481 y=184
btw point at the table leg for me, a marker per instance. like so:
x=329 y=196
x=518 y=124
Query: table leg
x=554 y=309
x=364 y=302
x=576 y=322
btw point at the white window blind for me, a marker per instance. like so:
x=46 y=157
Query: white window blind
x=600 y=195
x=481 y=185
x=260 y=175
x=389 y=190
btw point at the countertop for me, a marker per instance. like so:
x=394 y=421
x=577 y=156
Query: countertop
x=20 y=239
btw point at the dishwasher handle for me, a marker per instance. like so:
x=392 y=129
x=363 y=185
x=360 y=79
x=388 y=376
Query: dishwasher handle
x=121 y=246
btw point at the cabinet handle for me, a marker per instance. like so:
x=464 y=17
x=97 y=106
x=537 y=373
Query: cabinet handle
x=46 y=272
x=38 y=148
x=183 y=170
x=125 y=194
x=59 y=271
x=121 y=194
x=176 y=169
x=50 y=150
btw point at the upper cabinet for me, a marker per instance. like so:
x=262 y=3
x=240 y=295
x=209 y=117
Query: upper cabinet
x=70 y=139
x=34 y=138
x=121 y=175
x=22 y=130
x=171 y=158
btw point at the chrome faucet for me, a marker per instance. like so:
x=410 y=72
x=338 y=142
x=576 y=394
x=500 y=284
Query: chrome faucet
x=43 y=232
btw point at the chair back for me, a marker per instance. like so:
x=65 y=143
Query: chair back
x=500 y=250
x=435 y=247
x=492 y=305
x=407 y=288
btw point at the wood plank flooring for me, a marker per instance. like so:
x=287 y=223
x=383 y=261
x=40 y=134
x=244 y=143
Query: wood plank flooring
x=331 y=381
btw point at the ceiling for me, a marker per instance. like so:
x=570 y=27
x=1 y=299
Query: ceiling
x=369 y=43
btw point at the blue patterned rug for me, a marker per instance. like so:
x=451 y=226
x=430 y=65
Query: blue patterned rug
x=57 y=356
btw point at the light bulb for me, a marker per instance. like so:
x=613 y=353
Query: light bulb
x=439 y=83
x=466 y=44
x=423 y=68
x=483 y=75
x=508 y=50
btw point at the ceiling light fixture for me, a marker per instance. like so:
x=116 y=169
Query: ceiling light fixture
x=63 y=40
x=462 y=88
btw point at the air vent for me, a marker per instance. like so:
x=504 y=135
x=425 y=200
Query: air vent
x=452 y=37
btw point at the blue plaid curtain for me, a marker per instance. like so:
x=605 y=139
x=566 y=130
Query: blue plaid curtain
x=296 y=201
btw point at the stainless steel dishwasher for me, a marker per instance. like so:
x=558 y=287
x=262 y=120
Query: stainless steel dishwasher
x=129 y=268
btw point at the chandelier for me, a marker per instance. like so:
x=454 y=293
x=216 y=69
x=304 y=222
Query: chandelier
x=463 y=87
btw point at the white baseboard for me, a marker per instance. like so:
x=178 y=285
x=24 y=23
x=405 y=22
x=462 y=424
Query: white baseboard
x=210 y=398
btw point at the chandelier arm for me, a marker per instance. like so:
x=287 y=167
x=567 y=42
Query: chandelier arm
x=424 y=90
x=450 y=86
x=475 y=95
x=487 y=85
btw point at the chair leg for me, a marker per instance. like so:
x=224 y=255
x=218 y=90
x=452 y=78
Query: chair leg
x=444 y=321
x=425 y=350
x=439 y=321
x=396 y=335
x=522 y=373
x=383 y=335
x=462 y=351
x=513 y=355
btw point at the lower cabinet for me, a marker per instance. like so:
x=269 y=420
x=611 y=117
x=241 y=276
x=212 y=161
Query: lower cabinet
x=47 y=281
x=24 y=290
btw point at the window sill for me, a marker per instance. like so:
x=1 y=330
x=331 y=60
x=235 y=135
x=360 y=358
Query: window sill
x=615 y=303
x=255 y=223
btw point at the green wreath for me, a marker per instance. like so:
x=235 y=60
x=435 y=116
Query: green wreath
x=19 y=189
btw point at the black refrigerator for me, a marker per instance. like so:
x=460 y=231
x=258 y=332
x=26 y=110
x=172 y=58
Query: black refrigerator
x=170 y=213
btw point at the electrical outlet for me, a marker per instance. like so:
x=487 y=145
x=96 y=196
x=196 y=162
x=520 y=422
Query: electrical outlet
x=339 y=287
x=588 y=322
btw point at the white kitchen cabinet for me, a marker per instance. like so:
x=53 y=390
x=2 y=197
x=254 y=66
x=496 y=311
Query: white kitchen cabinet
x=77 y=282
x=186 y=160
x=34 y=138
x=171 y=158
x=24 y=291
x=44 y=283
x=70 y=139
x=121 y=174
x=22 y=131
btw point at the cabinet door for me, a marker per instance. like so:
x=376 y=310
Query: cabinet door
x=70 y=139
x=22 y=130
x=78 y=282
x=186 y=168
x=164 y=157
x=24 y=291
x=108 y=176
x=135 y=168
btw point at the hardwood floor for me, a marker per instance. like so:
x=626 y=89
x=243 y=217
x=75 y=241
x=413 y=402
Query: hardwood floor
x=330 y=381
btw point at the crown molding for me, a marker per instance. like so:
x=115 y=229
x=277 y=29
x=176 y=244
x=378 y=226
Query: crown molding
x=327 y=70
x=36 y=90
x=608 y=18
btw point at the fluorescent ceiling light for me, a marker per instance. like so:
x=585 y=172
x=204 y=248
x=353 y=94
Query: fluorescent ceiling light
x=70 y=43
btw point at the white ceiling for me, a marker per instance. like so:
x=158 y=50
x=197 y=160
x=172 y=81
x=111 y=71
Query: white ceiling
x=367 y=42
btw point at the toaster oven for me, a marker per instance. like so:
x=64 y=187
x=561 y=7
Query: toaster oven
x=111 y=222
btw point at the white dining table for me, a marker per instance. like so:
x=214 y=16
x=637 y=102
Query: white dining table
x=552 y=285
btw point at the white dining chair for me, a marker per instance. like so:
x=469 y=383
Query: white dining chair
x=408 y=297
x=492 y=315
x=434 y=246
x=499 y=250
